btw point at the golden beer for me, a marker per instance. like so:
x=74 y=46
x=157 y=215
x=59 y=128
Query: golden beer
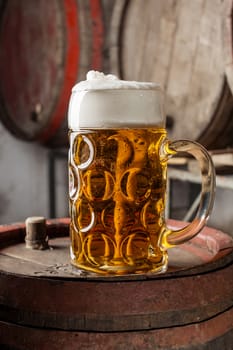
x=117 y=195
x=117 y=175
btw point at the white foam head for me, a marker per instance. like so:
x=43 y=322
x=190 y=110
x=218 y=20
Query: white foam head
x=104 y=101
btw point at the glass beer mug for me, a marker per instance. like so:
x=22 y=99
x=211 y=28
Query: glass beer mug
x=117 y=177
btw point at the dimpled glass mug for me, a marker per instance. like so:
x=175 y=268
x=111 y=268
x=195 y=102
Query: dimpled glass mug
x=117 y=177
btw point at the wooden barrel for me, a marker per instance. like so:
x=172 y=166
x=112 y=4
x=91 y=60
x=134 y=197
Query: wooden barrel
x=228 y=39
x=46 y=47
x=46 y=303
x=180 y=45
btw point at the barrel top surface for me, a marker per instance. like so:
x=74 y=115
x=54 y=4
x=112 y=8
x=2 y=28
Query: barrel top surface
x=40 y=289
x=209 y=249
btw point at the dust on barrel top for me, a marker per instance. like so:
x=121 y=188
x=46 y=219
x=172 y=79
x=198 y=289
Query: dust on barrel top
x=210 y=249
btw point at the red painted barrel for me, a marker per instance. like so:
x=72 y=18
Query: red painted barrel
x=46 y=47
x=45 y=302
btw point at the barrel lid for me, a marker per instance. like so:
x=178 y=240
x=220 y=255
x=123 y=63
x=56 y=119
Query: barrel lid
x=210 y=249
x=36 y=285
x=183 y=50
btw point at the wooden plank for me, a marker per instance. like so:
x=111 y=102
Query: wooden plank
x=215 y=333
x=227 y=6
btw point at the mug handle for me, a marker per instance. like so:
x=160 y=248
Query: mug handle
x=170 y=238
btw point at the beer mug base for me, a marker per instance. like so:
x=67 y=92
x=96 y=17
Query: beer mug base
x=118 y=267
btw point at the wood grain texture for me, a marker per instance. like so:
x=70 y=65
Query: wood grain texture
x=46 y=48
x=180 y=45
x=215 y=333
x=227 y=14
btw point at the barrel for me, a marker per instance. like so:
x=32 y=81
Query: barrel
x=46 y=47
x=47 y=303
x=227 y=14
x=180 y=45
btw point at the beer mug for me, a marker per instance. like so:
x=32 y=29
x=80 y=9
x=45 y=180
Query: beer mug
x=118 y=158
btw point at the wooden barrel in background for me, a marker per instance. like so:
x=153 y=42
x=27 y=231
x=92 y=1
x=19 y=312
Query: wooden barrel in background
x=45 y=303
x=46 y=47
x=180 y=45
x=227 y=12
